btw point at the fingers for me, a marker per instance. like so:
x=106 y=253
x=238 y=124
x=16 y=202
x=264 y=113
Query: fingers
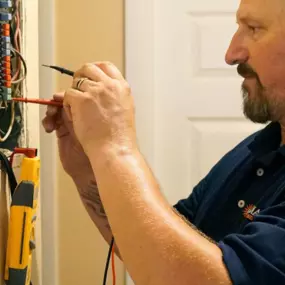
x=110 y=69
x=99 y=71
x=48 y=124
x=84 y=84
x=55 y=118
x=70 y=100
x=52 y=111
x=92 y=72
x=52 y=119
x=51 y=124
x=86 y=80
x=58 y=96
x=91 y=75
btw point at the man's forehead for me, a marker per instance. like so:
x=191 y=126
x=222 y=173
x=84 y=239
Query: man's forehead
x=260 y=10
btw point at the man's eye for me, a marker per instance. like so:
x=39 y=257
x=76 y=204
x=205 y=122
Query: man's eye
x=253 y=29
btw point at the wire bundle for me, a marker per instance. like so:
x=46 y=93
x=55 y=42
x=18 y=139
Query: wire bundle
x=16 y=48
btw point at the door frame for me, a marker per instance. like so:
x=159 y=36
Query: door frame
x=140 y=69
x=48 y=148
x=140 y=73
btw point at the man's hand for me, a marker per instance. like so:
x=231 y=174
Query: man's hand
x=77 y=165
x=73 y=158
x=149 y=235
x=101 y=109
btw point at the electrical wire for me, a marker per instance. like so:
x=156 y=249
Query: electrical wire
x=3 y=106
x=24 y=66
x=12 y=120
x=17 y=38
x=7 y=167
x=113 y=265
x=108 y=261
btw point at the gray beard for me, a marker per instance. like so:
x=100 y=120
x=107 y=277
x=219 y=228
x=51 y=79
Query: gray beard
x=256 y=109
x=263 y=106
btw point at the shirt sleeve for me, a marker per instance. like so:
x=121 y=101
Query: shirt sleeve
x=257 y=254
x=188 y=207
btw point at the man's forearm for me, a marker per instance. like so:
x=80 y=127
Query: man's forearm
x=89 y=194
x=157 y=246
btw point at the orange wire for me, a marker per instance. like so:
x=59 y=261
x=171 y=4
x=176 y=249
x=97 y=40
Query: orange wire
x=113 y=265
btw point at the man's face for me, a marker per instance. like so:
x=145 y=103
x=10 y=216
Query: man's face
x=258 y=47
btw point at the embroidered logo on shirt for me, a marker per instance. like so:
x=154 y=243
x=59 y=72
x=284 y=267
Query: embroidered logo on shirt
x=250 y=211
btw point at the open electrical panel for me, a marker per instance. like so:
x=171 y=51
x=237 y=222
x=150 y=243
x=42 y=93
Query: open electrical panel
x=13 y=72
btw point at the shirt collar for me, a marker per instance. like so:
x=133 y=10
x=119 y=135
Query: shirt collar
x=266 y=143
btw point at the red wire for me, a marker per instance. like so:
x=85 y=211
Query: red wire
x=113 y=265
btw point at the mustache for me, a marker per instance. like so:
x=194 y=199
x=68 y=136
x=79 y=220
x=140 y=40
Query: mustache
x=246 y=71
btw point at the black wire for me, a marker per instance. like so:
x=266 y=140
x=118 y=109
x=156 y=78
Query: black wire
x=9 y=171
x=108 y=261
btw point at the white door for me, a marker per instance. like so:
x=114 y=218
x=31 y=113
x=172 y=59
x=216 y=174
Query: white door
x=188 y=101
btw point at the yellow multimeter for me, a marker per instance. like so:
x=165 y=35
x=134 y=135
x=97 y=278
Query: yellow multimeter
x=21 y=236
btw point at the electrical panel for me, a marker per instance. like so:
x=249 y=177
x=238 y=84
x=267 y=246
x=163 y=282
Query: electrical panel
x=5 y=76
x=5 y=45
x=12 y=73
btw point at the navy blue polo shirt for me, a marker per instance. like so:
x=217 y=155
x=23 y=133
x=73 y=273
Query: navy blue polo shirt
x=241 y=205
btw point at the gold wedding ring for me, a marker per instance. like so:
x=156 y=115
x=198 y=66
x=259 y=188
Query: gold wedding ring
x=80 y=82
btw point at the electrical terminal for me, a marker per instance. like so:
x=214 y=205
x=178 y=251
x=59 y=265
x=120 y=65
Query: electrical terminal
x=5 y=17
x=5 y=51
x=5 y=4
x=6 y=92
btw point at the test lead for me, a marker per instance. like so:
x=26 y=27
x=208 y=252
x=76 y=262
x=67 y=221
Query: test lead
x=39 y=101
x=60 y=69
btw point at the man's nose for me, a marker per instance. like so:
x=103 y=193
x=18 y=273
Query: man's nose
x=237 y=52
